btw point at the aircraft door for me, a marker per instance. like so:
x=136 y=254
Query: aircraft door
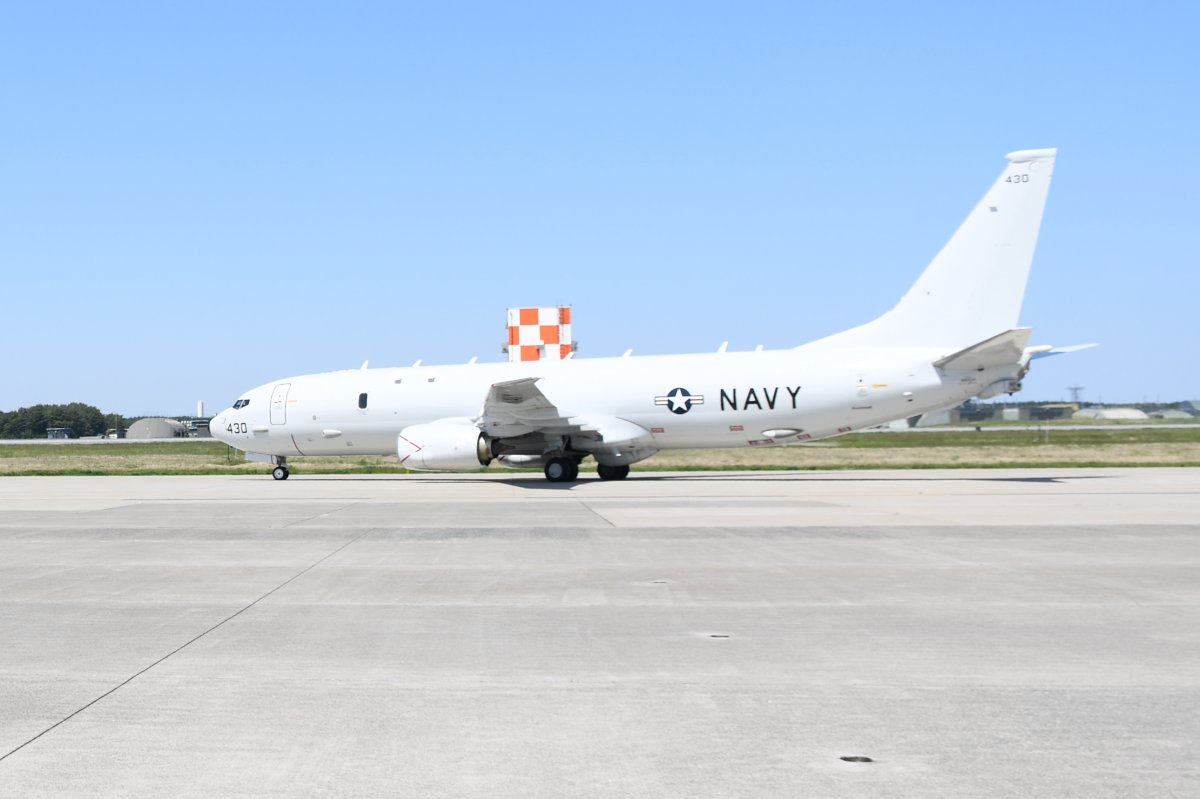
x=279 y=403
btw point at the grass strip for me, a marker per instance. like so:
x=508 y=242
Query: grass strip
x=1000 y=449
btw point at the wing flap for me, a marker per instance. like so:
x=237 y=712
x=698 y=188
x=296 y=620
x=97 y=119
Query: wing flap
x=613 y=431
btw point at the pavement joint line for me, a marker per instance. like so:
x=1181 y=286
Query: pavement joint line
x=182 y=647
x=206 y=500
x=597 y=514
x=338 y=509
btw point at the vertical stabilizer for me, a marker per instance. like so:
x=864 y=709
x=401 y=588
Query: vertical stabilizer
x=973 y=288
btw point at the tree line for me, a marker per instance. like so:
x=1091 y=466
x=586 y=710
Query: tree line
x=84 y=420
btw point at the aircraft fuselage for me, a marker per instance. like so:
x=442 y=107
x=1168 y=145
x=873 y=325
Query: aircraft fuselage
x=730 y=399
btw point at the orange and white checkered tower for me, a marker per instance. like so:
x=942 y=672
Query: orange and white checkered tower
x=539 y=334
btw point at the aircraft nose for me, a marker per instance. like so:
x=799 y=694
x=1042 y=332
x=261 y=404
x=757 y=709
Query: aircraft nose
x=216 y=426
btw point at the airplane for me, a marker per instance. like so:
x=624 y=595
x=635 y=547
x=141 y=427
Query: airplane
x=952 y=336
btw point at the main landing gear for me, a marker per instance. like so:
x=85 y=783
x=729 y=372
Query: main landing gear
x=612 y=472
x=562 y=470
x=280 y=472
x=565 y=469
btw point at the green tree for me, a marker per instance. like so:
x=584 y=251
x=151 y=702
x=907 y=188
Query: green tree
x=33 y=421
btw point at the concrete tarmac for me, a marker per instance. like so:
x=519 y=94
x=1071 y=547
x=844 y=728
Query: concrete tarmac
x=973 y=633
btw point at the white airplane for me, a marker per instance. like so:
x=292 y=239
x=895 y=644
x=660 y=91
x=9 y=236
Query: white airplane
x=953 y=336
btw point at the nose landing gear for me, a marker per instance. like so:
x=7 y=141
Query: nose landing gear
x=280 y=472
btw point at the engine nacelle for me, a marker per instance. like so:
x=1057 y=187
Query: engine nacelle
x=444 y=444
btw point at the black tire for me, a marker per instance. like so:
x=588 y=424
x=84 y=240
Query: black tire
x=612 y=472
x=561 y=470
x=280 y=473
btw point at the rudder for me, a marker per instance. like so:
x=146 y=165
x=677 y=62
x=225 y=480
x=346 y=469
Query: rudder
x=974 y=287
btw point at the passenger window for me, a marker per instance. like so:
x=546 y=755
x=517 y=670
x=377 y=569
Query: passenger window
x=362 y=401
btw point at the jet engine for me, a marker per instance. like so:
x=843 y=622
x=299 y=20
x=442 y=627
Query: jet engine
x=444 y=444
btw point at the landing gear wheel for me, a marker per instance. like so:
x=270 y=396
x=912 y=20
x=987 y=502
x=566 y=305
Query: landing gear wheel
x=561 y=470
x=612 y=472
x=280 y=473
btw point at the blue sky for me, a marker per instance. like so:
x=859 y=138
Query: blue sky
x=199 y=198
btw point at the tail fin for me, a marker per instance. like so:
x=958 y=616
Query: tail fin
x=973 y=288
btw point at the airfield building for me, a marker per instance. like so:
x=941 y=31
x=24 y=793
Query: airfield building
x=156 y=427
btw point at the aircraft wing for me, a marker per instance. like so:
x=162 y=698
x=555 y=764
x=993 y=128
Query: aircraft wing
x=518 y=407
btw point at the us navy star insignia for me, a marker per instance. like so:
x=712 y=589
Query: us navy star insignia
x=679 y=400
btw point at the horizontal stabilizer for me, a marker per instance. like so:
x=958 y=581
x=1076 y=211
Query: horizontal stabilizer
x=1045 y=352
x=1005 y=349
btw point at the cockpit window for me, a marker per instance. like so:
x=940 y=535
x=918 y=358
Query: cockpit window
x=242 y=403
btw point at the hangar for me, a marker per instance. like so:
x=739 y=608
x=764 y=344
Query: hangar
x=156 y=427
x=1125 y=414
